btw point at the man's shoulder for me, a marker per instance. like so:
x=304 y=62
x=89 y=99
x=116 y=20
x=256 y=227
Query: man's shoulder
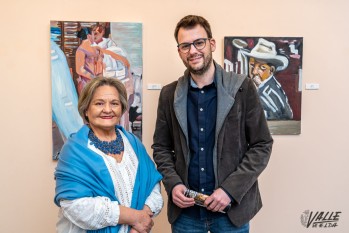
x=232 y=82
x=171 y=85
x=229 y=77
x=233 y=75
x=168 y=90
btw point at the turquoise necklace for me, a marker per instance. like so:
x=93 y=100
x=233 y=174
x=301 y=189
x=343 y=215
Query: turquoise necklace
x=113 y=147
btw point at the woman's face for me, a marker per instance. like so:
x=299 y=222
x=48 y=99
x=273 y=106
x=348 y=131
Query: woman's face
x=105 y=109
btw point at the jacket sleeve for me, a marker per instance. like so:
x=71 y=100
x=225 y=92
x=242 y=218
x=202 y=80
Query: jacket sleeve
x=256 y=144
x=163 y=147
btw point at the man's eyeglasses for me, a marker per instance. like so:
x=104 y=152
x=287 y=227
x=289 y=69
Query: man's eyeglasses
x=199 y=44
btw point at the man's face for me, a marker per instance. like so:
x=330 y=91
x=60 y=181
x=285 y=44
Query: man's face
x=197 y=61
x=259 y=70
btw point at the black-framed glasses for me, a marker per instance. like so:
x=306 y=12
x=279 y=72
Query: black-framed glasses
x=199 y=44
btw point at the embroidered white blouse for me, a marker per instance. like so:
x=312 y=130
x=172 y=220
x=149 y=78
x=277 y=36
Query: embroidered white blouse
x=92 y=213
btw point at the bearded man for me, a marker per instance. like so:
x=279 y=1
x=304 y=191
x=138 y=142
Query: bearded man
x=211 y=137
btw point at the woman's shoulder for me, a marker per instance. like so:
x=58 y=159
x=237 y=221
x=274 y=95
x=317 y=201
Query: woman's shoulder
x=75 y=140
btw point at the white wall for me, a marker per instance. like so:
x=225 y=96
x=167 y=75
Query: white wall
x=309 y=171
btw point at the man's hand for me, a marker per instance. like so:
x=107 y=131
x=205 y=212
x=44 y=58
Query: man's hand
x=178 y=197
x=217 y=201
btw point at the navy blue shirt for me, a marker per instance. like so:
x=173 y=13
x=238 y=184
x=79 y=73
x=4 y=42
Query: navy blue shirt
x=202 y=114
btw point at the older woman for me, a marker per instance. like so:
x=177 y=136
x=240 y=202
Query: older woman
x=105 y=180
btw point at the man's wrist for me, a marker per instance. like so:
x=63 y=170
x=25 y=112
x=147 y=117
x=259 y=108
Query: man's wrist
x=231 y=198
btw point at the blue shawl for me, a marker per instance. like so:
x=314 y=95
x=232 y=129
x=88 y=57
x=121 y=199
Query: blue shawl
x=80 y=172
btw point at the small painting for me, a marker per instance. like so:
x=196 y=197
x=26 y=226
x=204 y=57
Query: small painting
x=275 y=66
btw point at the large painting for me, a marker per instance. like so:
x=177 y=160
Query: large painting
x=81 y=51
x=275 y=66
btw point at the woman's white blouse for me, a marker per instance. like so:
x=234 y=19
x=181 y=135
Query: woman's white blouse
x=92 y=213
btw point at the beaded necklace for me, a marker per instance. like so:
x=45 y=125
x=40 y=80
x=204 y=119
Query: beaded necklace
x=113 y=147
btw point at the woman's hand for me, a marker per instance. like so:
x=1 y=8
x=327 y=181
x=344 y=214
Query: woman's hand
x=133 y=231
x=143 y=222
x=148 y=210
x=139 y=220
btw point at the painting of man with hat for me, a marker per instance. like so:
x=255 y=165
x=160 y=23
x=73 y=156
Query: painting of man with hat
x=263 y=63
x=263 y=59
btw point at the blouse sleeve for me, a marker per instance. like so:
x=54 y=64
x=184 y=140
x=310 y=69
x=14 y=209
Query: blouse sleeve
x=155 y=201
x=91 y=213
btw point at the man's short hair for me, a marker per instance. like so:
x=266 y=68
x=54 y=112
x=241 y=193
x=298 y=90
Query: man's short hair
x=190 y=21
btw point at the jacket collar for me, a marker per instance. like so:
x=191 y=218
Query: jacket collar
x=227 y=84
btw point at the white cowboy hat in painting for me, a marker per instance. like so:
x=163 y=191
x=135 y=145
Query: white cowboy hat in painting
x=266 y=51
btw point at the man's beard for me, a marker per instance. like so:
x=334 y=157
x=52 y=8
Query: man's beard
x=204 y=68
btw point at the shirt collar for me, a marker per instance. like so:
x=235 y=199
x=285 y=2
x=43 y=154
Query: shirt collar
x=193 y=84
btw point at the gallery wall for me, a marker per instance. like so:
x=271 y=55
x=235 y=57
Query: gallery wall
x=306 y=172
